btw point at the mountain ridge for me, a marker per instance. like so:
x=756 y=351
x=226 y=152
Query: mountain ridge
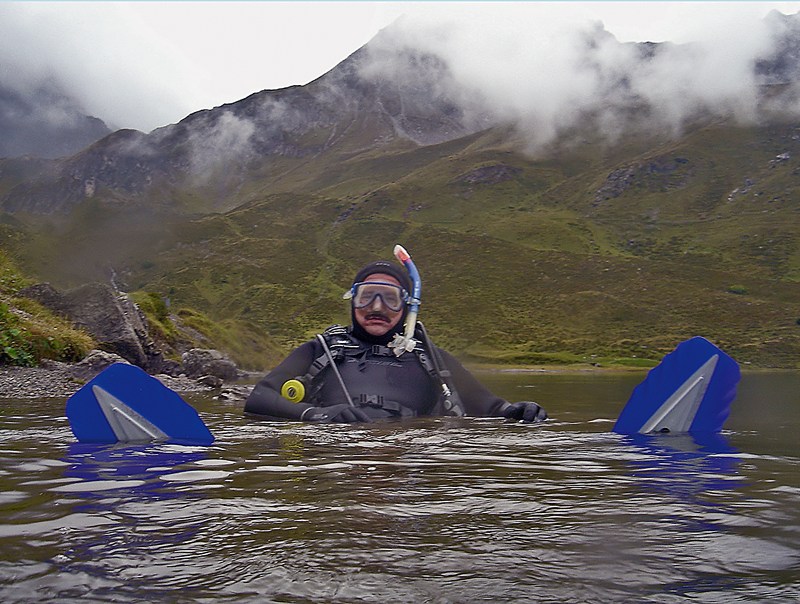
x=355 y=107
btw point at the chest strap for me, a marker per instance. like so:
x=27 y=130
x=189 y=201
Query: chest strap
x=377 y=401
x=341 y=344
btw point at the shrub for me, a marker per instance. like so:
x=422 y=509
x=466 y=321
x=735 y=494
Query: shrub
x=14 y=347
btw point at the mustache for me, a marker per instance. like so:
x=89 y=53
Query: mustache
x=378 y=316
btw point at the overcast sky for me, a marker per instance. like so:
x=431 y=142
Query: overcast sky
x=146 y=64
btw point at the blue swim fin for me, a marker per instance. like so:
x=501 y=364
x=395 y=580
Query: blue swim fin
x=125 y=404
x=691 y=390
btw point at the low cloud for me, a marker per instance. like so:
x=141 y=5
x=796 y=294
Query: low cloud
x=544 y=66
x=546 y=77
x=100 y=55
x=228 y=137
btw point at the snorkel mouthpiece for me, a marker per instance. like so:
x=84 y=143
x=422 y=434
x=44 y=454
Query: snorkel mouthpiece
x=406 y=342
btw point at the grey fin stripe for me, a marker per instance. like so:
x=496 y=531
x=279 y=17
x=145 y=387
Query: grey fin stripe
x=127 y=424
x=678 y=411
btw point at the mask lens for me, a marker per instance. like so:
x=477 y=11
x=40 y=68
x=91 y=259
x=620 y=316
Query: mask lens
x=392 y=296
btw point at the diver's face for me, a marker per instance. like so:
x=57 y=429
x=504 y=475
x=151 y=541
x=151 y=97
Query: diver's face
x=377 y=319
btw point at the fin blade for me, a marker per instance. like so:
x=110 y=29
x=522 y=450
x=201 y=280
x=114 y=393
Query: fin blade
x=691 y=390
x=127 y=424
x=678 y=411
x=125 y=404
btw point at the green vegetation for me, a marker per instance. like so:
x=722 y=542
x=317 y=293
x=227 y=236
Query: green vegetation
x=14 y=347
x=30 y=333
x=591 y=254
x=161 y=327
x=247 y=344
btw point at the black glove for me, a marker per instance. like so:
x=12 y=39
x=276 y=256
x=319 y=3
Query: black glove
x=525 y=411
x=342 y=413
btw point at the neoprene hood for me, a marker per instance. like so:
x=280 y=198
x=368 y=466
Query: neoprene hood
x=387 y=268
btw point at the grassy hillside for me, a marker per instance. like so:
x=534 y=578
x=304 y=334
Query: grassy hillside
x=587 y=252
x=30 y=333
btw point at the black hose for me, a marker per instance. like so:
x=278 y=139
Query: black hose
x=335 y=370
x=452 y=401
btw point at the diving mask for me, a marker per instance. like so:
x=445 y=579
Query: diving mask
x=365 y=293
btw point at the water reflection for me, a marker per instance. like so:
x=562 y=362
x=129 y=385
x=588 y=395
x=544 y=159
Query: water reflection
x=142 y=470
x=690 y=467
x=152 y=498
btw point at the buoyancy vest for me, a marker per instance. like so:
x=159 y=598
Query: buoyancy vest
x=380 y=382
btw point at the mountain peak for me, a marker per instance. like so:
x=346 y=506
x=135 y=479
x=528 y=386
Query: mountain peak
x=44 y=122
x=409 y=88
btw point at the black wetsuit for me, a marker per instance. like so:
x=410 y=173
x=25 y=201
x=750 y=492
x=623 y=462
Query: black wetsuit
x=379 y=382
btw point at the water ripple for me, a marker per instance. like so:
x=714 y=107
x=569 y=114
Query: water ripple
x=441 y=510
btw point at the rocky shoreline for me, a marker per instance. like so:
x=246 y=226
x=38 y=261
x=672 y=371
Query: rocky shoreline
x=122 y=333
x=61 y=380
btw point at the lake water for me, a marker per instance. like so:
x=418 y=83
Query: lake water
x=431 y=510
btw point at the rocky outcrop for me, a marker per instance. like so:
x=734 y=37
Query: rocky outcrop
x=657 y=175
x=121 y=329
x=489 y=175
x=111 y=318
x=617 y=182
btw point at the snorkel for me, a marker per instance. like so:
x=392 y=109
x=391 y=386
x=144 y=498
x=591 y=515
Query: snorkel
x=406 y=342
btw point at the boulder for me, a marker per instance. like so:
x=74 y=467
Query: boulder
x=109 y=316
x=121 y=329
x=201 y=362
x=234 y=394
x=94 y=363
x=212 y=381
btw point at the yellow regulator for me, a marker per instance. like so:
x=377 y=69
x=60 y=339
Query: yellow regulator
x=293 y=390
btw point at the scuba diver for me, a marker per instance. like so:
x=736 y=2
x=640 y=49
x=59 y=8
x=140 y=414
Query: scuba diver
x=369 y=371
